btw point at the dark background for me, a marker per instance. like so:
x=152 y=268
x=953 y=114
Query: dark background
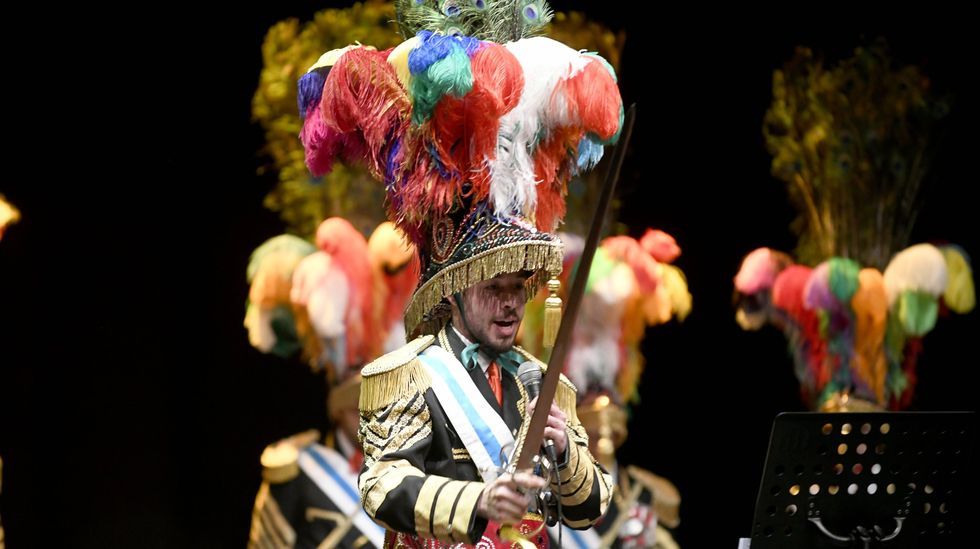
x=132 y=409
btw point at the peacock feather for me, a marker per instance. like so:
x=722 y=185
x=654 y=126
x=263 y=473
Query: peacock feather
x=495 y=21
x=853 y=143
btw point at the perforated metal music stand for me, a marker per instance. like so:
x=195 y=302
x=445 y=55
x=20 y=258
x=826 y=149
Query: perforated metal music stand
x=864 y=480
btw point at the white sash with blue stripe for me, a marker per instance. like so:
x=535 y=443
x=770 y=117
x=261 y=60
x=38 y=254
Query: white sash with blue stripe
x=478 y=425
x=575 y=539
x=331 y=473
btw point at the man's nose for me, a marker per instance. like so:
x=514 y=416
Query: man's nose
x=510 y=300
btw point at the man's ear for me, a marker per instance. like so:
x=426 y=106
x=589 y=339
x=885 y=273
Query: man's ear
x=455 y=304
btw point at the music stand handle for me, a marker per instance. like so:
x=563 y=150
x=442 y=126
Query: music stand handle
x=823 y=529
x=895 y=532
x=850 y=539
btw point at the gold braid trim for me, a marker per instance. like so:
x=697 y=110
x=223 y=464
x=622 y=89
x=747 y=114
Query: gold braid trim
x=376 y=482
x=394 y=375
x=269 y=527
x=533 y=255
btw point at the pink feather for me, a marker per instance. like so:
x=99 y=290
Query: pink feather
x=348 y=249
x=362 y=94
x=759 y=270
x=660 y=245
x=628 y=250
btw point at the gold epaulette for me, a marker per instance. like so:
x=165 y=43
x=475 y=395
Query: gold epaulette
x=666 y=498
x=565 y=396
x=393 y=375
x=280 y=460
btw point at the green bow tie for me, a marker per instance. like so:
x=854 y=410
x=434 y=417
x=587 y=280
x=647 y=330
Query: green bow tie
x=509 y=361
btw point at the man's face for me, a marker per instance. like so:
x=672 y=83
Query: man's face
x=493 y=310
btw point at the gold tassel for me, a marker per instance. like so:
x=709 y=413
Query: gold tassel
x=552 y=314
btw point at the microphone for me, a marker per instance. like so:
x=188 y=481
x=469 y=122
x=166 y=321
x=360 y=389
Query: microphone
x=529 y=374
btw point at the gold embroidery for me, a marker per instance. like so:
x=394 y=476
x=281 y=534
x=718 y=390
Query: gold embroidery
x=401 y=425
x=381 y=478
x=399 y=357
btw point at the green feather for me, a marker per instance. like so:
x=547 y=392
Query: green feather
x=843 y=278
x=284 y=243
x=450 y=75
x=918 y=312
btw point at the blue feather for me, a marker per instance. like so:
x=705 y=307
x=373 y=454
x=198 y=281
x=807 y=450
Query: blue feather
x=434 y=47
x=589 y=154
x=438 y=161
x=310 y=89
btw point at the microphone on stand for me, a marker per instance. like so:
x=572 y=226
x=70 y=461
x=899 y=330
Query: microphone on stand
x=529 y=374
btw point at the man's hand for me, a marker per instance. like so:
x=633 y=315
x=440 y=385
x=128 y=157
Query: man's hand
x=555 y=427
x=505 y=500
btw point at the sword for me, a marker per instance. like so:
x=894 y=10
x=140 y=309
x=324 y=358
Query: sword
x=535 y=432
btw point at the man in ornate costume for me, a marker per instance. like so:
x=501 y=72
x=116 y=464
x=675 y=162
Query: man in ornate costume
x=475 y=130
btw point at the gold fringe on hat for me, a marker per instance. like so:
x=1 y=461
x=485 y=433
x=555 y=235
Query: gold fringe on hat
x=540 y=256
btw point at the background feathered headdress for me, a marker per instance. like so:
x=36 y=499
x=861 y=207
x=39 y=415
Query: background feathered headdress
x=853 y=143
x=631 y=286
x=337 y=302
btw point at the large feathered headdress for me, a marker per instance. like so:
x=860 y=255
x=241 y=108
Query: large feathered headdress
x=474 y=130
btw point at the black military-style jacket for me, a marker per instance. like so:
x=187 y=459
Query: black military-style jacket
x=418 y=476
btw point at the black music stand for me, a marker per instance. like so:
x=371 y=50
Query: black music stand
x=865 y=480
